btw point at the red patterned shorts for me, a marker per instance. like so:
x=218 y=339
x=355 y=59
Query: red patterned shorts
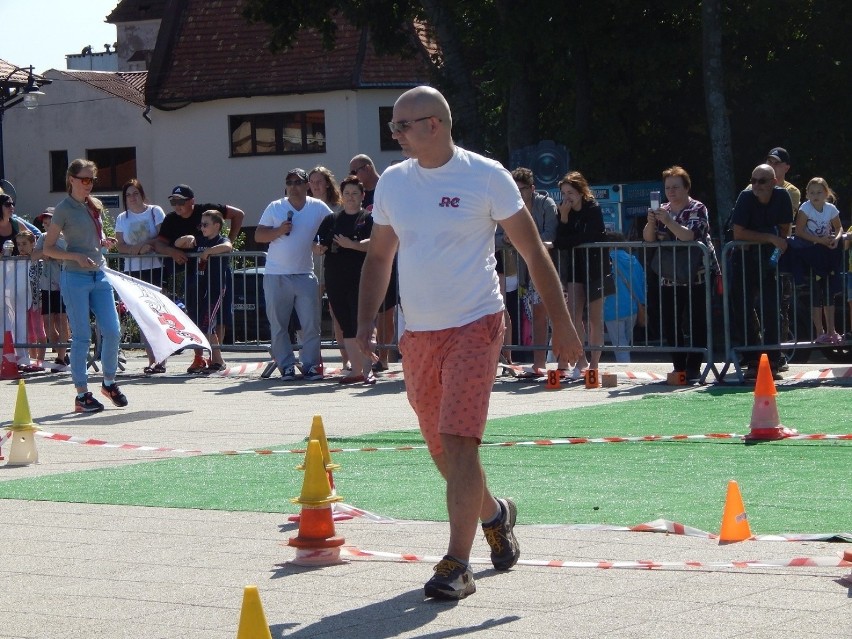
x=449 y=375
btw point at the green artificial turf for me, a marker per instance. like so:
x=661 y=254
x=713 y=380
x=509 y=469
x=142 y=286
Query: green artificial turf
x=787 y=486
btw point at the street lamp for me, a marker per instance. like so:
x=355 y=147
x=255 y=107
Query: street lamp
x=14 y=91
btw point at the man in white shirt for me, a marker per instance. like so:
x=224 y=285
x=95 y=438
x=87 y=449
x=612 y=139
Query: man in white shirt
x=290 y=225
x=440 y=208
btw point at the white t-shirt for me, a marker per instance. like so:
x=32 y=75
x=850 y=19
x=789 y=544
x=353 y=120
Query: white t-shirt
x=819 y=222
x=291 y=254
x=445 y=220
x=139 y=227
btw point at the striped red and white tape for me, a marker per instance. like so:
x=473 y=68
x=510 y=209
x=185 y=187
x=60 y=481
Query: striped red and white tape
x=371 y=449
x=793 y=562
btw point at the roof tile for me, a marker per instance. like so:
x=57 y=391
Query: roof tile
x=209 y=51
x=126 y=85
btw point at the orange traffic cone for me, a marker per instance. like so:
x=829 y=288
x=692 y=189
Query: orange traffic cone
x=765 y=424
x=316 y=544
x=9 y=369
x=734 y=518
x=22 y=448
x=252 y=618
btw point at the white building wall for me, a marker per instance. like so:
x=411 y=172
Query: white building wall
x=192 y=146
x=92 y=62
x=133 y=37
x=186 y=146
x=71 y=116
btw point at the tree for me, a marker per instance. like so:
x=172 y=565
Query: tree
x=717 y=112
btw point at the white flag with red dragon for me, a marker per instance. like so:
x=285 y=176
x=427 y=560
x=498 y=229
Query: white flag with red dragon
x=165 y=326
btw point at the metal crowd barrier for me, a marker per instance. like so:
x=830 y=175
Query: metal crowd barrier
x=646 y=340
x=766 y=311
x=727 y=323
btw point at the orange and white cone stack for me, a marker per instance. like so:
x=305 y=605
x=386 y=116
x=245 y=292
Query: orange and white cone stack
x=318 y=433
x=316 y=543
x=735 y=526
x=9 y=369
x=765 y=423
x=847 y=556
x=22 y=449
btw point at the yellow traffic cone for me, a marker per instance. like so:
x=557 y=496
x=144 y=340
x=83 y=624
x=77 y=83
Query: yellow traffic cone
x=318 y=433
x=252 y=618
x=22 y=449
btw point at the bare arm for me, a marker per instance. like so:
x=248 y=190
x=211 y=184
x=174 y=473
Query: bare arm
x=162 y=246
x=355 y=245
x=743 y=234
x=224 y=247
x=235 y=216
x=802 y=229
x=375 y=277
x=134 y=249
x=51 y=250
x=521 y=228
x=266 y=234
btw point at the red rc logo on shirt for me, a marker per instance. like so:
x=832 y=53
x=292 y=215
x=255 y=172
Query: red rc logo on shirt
x=452 y=202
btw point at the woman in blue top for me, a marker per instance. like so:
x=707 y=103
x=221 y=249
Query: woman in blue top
x=84 y=286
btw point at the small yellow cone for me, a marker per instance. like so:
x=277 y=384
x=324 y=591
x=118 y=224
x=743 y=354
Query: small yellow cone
x=252 y=618
x=23 y=417
x=318 y=433
x=735 y=525
x=316 y=489
x=22 y=447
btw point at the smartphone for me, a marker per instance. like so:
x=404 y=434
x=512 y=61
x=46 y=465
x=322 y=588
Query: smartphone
x=655 y=200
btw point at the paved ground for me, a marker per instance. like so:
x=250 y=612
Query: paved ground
x=76 y=570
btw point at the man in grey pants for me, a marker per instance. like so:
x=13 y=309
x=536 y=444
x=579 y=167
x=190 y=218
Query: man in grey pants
x=290 y=225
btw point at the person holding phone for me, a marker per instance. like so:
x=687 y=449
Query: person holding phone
x=682 y=305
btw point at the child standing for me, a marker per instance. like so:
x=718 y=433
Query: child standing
x=818 y=223
x=207 y=287
x=25 y=241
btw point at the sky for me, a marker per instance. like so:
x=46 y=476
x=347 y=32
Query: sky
x=42 y=32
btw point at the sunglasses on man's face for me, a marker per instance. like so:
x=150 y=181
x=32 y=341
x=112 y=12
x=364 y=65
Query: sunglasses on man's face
x=761 y=181
x=84 y=180
x=294 y=182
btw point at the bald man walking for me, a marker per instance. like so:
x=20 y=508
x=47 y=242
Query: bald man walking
x=440 y=209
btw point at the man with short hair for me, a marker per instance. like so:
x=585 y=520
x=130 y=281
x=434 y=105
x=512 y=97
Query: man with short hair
x=179 y=235
x=290 y=225
x=761 y=214
x=543 y=210
x=440 y=209
x=180 y=230
x=779 y=160
x=362 y=167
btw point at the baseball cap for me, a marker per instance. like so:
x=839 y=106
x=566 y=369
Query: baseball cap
x=779 y=154
x=182 y=192
x=299 y=173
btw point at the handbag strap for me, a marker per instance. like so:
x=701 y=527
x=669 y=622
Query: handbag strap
x=627 y=284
